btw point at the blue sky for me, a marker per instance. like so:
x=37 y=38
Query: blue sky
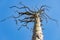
x=8 y=29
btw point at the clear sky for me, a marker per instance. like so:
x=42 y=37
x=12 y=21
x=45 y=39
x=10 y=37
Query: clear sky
x=8 y=29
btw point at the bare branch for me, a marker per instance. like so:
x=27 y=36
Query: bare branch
x=16 y=16
x=50 y=18
x=26 y=26
x=24 y=13
x=30 y=17
x=16 y=21
x=42 y=9
x=19 y=28
x=29 y=20
x=23 y=25
x=24 y=6
x=45 y=7
x=44 y=17
x=6 y=18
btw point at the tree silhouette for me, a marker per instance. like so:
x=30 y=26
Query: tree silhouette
x=32 y=16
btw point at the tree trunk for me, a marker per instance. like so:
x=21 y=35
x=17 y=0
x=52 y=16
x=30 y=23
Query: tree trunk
x=37 y=30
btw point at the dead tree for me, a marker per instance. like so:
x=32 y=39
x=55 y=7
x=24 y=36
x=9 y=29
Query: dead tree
x=33 y=16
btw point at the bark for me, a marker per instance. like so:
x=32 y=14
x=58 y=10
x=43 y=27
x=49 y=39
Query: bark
x=37 y=30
